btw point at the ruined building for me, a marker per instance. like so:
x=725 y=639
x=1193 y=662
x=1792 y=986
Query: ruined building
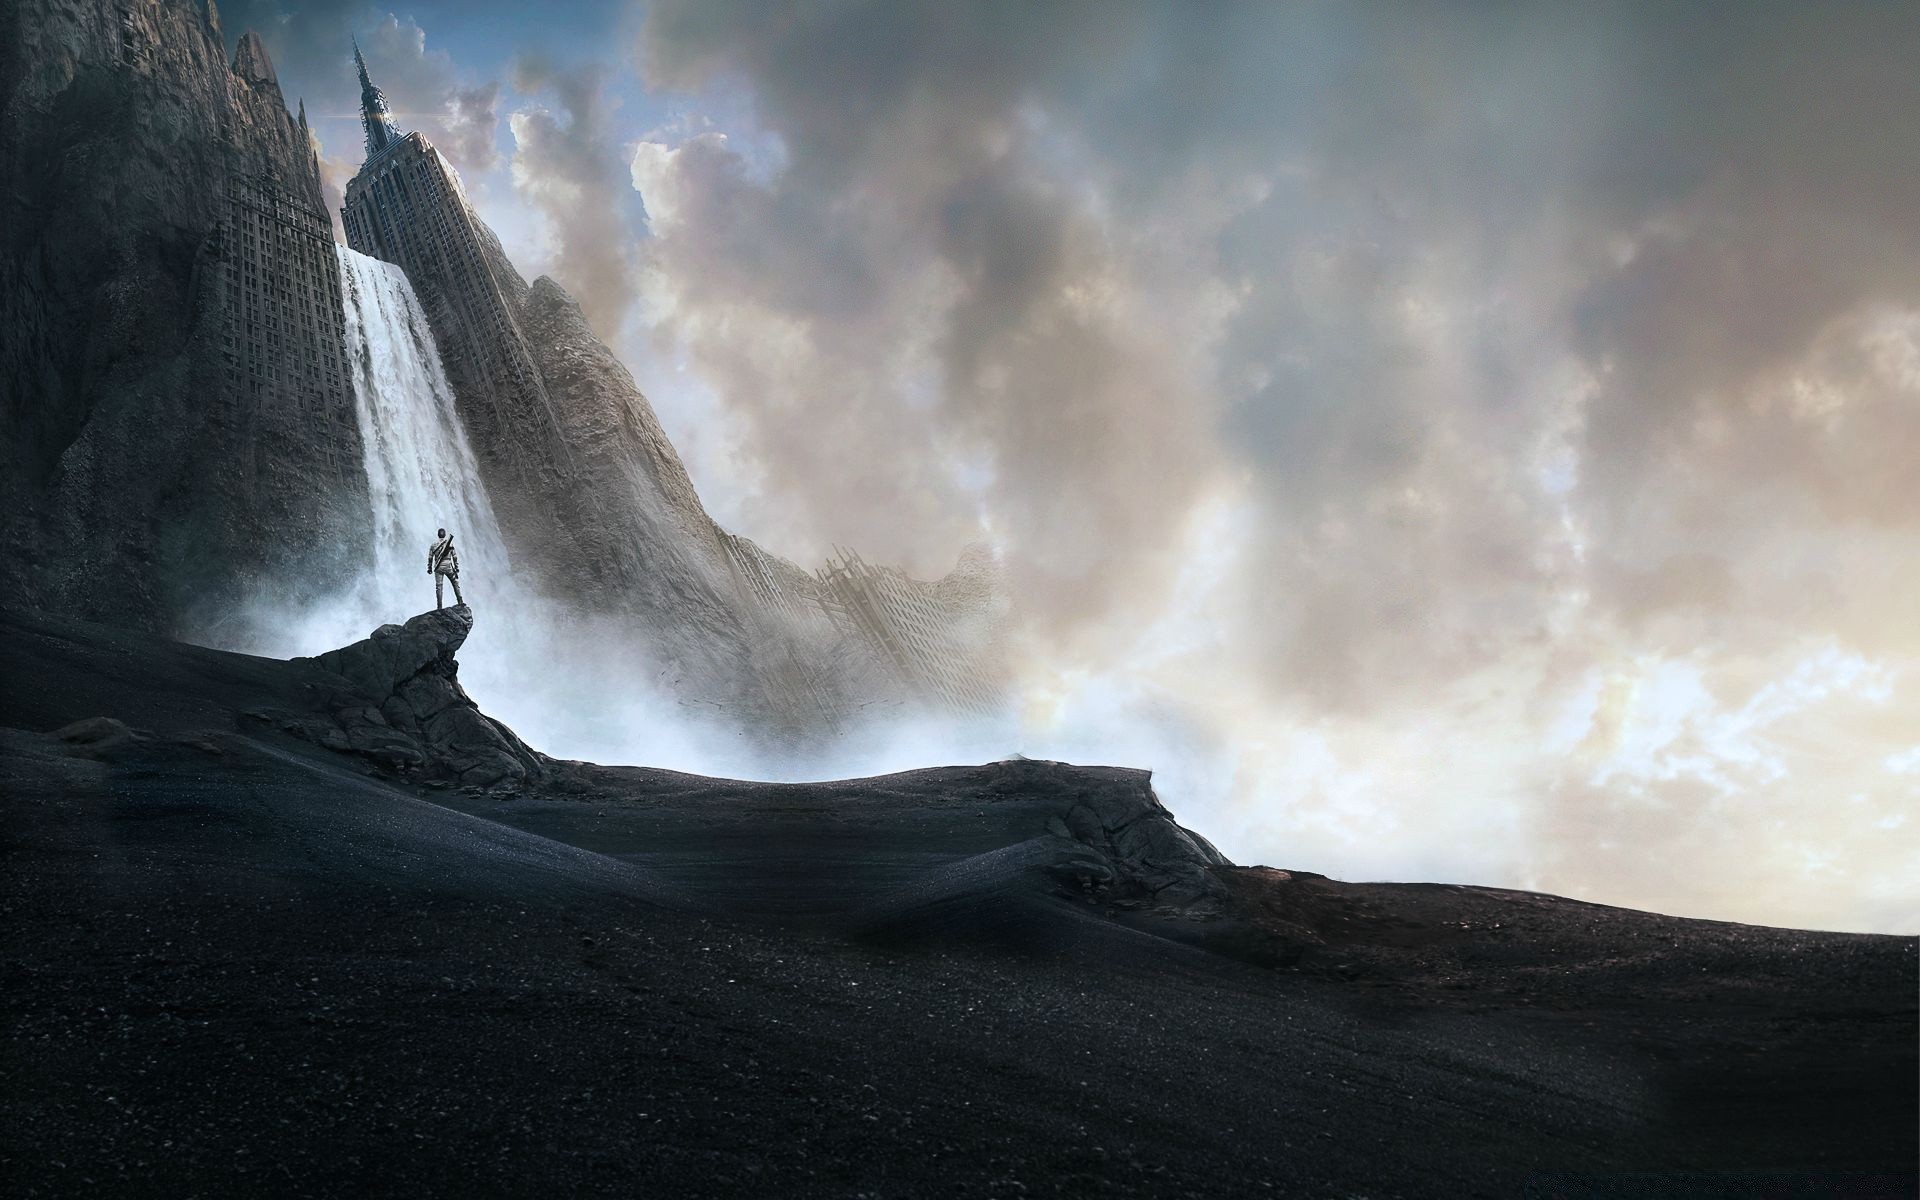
x=177 y=425
x=281 y=337
x=936 y=644
x=939 y=639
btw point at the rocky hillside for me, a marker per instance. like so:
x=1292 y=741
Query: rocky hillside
x=246 y=900
x=134 y=487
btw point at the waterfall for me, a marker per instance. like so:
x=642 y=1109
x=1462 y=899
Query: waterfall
x=571 y=686
x=420 y=470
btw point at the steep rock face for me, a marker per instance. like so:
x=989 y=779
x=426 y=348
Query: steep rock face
x=408 y=711
x=657 y=552
x=137 y=487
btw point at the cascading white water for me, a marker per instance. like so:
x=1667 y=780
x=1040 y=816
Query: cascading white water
x=420 y=470
x=563 y=684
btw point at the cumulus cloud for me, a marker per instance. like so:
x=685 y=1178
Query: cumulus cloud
x=925 y=329
x=472 y=115
x=1535 y=347
x=567 y=166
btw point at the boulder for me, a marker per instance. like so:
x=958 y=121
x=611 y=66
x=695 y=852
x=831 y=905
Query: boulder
x=1116 y=839
x=403 y=706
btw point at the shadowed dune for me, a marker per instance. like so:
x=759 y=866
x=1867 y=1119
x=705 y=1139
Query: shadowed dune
x=257 y=940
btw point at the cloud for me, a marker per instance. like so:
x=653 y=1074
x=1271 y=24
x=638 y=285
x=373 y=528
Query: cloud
x=922 y=330
x=472 y=117
x=311 y=50
x=568 y=166
x=1537 y=346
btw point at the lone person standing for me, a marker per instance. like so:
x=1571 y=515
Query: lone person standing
x=442 y=563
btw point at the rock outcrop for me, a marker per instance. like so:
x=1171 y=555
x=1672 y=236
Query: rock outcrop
x=1128 y=849
x=403 y=707
x=1097 y=837
x=1097 y=833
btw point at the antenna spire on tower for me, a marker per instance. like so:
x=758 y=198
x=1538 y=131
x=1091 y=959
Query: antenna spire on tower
x=376 y=117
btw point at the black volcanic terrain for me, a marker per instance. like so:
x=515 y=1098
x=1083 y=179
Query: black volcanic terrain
x=322 y=928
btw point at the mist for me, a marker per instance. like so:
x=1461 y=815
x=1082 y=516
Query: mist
x=1455 y=444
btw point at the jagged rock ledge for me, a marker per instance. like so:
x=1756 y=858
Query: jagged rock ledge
x=1095 y=834
x=1124 y=828
x=403 y=707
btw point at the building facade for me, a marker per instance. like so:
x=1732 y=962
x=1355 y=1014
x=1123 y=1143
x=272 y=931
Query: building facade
x=939 y=645
x=406 y=206
x=283 y=343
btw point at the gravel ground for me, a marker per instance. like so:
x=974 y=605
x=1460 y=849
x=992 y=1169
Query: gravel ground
x=241 y=966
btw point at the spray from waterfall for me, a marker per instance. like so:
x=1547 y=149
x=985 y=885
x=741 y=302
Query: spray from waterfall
x=572 y=686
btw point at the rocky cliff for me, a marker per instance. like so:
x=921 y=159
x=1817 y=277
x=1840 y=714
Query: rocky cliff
x=644 y=546
x=139 y=485
x=405 y=709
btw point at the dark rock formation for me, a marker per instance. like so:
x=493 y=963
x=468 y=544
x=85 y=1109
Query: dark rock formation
x=139 y=484
x=408 y=712
x=234 y=964
x=1132 y=850
x=1098 y=834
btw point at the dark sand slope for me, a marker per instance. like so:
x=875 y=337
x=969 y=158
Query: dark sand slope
x=250 y=948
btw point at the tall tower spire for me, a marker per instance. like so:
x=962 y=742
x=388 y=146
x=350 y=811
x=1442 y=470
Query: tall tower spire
x=375 y=117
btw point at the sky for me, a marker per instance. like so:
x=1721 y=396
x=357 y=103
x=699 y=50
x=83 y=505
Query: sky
x=1472 y=443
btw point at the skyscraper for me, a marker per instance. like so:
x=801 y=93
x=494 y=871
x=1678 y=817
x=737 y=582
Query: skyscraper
x=406 y=205
x=285 y=362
